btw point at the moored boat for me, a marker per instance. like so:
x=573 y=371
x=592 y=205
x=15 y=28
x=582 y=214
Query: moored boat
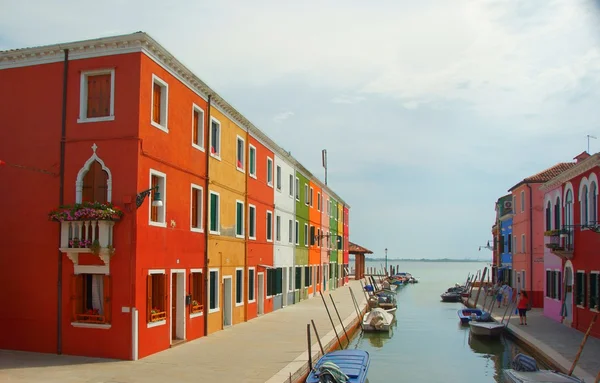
x=353 y=364
x=487 y=329
x=451 y=297
x=525 y=370
x=377 y=320
x=466 y=315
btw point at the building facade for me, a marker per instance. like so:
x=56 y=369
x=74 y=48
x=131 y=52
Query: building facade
x=158 y=244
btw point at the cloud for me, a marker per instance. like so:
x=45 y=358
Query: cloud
x=278 y=118
x=344 y=99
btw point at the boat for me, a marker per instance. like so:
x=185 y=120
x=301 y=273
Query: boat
x=488 y=329
x=354 y=364
x=391 y=311
x=525 y=370
x=451 y=297
x=377 y=320
x=466 y=315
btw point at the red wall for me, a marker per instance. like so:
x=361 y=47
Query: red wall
x=261 y=195
x=173 y=247
x=314 y=251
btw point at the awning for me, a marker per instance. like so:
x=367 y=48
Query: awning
x=267 y=266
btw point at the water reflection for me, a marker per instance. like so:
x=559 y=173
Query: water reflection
x=378 y=338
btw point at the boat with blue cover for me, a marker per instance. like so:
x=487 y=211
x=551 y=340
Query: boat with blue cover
x=465 y=315
x=354 y=364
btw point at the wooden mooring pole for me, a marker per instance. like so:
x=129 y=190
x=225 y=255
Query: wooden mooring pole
x=309 y=348
x=585 y=337
x=340 y=319
x=318 y=338
x=331 y=320
x=480 y=287
x=356 y=308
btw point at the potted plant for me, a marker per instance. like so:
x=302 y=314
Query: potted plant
x=95 y=247
x=86 y=211
x=551 y=233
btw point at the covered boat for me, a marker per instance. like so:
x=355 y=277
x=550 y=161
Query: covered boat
x=525 y=370
x=377 y=320
x=488 y=329
x=466 y=315
x=343 y=365
x=451 y=297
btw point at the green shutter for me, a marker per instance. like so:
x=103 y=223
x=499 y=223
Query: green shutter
x=214 y=212
x=252 y=161
x=213 y=290
x=298 y=278
x=239 y=219
x=251 y=285
x=279 y=278
x=252 y=229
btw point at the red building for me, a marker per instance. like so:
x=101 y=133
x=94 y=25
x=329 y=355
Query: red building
x=122 y=120
x=577 y=242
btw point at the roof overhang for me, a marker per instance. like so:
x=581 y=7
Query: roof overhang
x=575 y=171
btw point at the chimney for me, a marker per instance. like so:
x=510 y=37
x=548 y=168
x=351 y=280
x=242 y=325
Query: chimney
x=580 y=157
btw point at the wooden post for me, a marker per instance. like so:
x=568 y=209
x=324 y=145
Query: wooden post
x=597 y=378
x=587 y=334
x=331 y=320
x=318 y=338
x=340 y=319
x=356 y=308
x=309 y=348
x=480 y=285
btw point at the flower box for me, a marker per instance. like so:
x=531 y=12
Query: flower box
x=196 y=308
x=157 y=316
x=86 y=211
x=554 y=246
x=551 y=233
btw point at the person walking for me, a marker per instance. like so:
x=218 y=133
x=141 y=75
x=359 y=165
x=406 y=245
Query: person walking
x=498 y=292
x=523 y=305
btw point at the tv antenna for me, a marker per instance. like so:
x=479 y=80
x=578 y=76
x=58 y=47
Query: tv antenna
x=588 y=139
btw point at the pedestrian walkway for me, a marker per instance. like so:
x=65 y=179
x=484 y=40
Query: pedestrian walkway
x=268 y=347
x=557 y=342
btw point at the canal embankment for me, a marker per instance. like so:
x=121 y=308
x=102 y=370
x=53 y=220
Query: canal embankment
x=555 y=344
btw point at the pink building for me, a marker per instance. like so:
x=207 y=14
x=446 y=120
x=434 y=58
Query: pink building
x=325 y=241
x=553 y=203
x=528 y=233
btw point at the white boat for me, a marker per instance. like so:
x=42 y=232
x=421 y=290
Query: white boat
x=525 y=370
x=391 y=311
x=490 y=329
x=377 y=320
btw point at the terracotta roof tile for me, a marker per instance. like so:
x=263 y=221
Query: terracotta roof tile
x=546 y=175
x=354 y=248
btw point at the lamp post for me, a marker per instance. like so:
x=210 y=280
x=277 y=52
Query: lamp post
x=386 y=266
x=156 y=201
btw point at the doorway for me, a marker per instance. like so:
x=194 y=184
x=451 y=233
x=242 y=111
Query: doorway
x=285 y=287
x=177 y=313
x=568 y=306
x=314 y=279
x=261 y=294
x=227 y=301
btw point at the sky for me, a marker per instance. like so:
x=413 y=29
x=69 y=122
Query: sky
x=430 y=110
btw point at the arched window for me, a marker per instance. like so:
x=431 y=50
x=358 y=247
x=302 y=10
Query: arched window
x=593 y=204
x=569 y=209
x=548 y=216
x=95 y=184
x=584 y=205
x=557 y=208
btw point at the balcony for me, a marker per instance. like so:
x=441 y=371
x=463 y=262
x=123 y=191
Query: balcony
x=93 y=237
x=560 y=243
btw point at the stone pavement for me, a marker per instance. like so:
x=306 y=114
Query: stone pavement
x=267 y=348
x=557 y=342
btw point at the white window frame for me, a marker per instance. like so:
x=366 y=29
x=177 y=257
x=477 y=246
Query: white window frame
x=318 y=201
x=306 y=194
x=83 y=93
x=201 y=208
x=239 y=202
x=596 y=273
x=297 y=232
x=297 y=188
x=587 y=287
x=164 y=321
x=269 y=213
x=310 y=198
x=291 y=193
x=270 y=173
x=238 y=304
x=196 y=108
x=278 y=178
x=291 y=231
x=164 y=104
x=217 y=154
x=522 y=201
x=251 y=172
x=218 y=232
x=218 y=295
x=253 y=207
x=243 y=168
x=305 y=234
x=195 y=271
x=278 y=228
x=162 y=210
x=253 y=269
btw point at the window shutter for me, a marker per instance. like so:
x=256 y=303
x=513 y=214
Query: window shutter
x=195 y=127
x=107 y=298
x=98 y=97
x=156 y=103
x=76 y=295
x=195 y=208
x=165 y=293
x=149 y=292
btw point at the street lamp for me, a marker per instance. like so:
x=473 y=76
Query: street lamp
x=386 y=267
x=156 y=201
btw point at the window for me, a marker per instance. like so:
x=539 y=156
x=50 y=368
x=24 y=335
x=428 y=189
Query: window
x=290 y=279
x=584 y=205
x=252 y=159
x=550 y=282
x=557 y=214
x=239 y=219
x=558 y=285
x=97 y=96
x=278 y=177
x=239 y=287
x=306 y=234
x=251 y=285
x=593 y=204
x=339 y=242
x=510 y=240
x=251 y=221
x=291 y=185
x=522 y=201
x=297 y=233
x=160 y=97
x=290 y=231
x=514 y=247
x=594 y=290
x=319 y=239
x=197 y=295
x=312 y=235
x=269 y=172
x=522 y=243
x=310 y=201
x=215 y=213
x=197 y=127
x=196 y=209
x=305 y=194
x=307 y=276
x=297 y=189
x=580 y=285
x=158 y=185
x=91 y=298
x=298 y=282
x=240 y=154
x=269 y=226
x=548 y=216
x=215 y=138
x=274 y=278
x=213 y=291
x=95 y=184
x=278 y=228
x=156 y=309
x=318 y=201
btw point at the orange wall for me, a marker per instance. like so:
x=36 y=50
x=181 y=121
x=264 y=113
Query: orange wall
x=314 y=215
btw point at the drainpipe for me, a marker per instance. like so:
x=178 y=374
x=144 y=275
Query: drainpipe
x=61 y=200
x=206 y=218
x=530 y=240
x=245 y=214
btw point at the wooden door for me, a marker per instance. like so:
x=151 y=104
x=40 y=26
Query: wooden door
x=174 y=306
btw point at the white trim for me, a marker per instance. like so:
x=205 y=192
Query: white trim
x=242 y=282
x=243 y=235
x=253 y=237
x=243 y=168
x=201 y=313
x=83 y=92
x=91 y=269
x=306 y=233
x=156 y=271
x=270 y=160
x=181 y=306
x=164 y=104
x=218 y=232
x=310 y=196
x=134 y=334
x=196 y=270
x=306 y=194
x=278 y=171
x=231 y=300
x=218 y=287
x=156 y=324
x=253 y=286
x=250 y=172
x=91 y=325
x=83 y=171
x=267 y=226
x=582 y=183
x=201 y=207
x=318 y=201
x=200 y=130
x=163 y=193
x=297 y=189
x=297 y=232
x=217 y=155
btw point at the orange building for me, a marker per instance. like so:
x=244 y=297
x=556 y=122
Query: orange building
x=314 y=250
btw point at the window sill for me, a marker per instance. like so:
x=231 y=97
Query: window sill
x=196 y=230
x=239 y=304
x=200 y=148
x=252 y=175
x=95 y=119
x=104 y=326
x=196 y=315
x=270 y=185
x=240 y=236
x=216 y=156
x=278 y=189
x=241 y=170
x=157 y=224
x=159 y=126
x=252 y=301
x=157 y=323
x=212 y=311
x=214 y=232
x=252 y=238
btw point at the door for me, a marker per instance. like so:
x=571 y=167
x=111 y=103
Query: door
x=227 y=301
x=261 y=293
x=314 y=279
x=174 y=306
x=567 y=310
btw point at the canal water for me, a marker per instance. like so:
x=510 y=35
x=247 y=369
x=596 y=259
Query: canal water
x=427 y=342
